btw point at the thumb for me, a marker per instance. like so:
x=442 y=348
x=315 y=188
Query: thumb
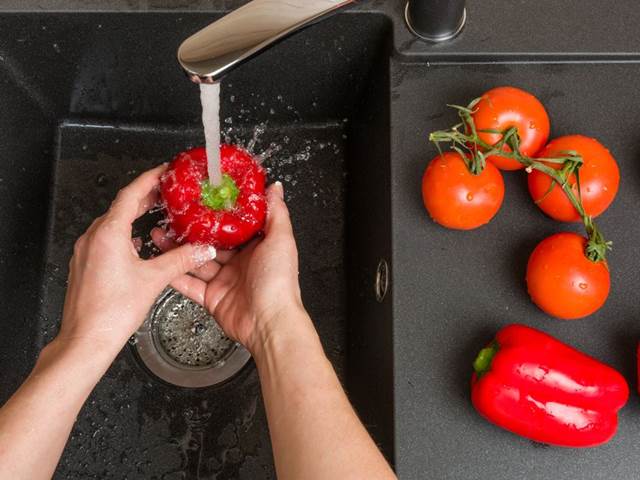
x=278 y=220
x=180 y=260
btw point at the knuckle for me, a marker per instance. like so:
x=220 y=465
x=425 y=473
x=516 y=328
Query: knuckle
x=101 y=236
x=78 y=246
x=121 y=197
x=183 y=262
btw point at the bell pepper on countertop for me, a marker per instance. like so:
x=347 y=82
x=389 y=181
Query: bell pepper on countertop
x=533 y=385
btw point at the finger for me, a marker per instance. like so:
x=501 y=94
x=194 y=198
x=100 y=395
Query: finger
x=278 y=220
x=165 y=242
x=180 y=260
x=224 y=256
x=206 y=272
x=191 y=287
x=137 y=243
x=162 y=240
x=138 y=197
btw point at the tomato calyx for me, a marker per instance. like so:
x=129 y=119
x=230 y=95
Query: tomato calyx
x=597 y=245
x=219 y=197
x=464 y=138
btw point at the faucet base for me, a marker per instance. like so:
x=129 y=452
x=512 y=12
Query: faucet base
x=434 y=38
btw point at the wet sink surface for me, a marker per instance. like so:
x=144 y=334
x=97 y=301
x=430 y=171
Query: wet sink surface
x=161 y=429
x=350 y=117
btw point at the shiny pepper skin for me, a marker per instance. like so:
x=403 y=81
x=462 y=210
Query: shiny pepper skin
x=192 y=221
x=535 y=386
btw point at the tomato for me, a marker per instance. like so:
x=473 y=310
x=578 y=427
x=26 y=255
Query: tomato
x=505 y=107
x=455 y=198
x=225 y=216
x=562 y=281
x=599 y=179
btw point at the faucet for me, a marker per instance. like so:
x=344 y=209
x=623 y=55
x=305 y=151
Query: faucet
x=435 y=20
x=215 y=50
x=209 y=54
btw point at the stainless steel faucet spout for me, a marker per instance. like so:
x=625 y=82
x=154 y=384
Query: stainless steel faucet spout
x=215 y=50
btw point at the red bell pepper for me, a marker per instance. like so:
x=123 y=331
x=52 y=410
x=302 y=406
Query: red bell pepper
x=533 y=385
x=224 y=216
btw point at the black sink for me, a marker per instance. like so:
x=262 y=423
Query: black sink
x=89 y=100
x=87 y=113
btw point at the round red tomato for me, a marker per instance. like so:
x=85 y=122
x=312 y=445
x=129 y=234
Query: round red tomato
x=225 y=216
x=505 y=107
x=599 y=179
x=562 y=281
x=455 y=198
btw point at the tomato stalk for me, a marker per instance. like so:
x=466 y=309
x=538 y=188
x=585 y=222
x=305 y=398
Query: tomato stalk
x=465 y=140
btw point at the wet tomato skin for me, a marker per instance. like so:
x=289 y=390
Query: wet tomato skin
x=193 y=222
x=599 y=179
x=562 y=281
x=457 y=199
x=504 y=107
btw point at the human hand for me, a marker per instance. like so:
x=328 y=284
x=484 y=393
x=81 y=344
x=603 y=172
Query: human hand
x=248 y=291
x=111 y=288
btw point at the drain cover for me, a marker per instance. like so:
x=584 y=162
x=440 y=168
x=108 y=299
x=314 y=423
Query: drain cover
x=182 y=344
x=188 y=334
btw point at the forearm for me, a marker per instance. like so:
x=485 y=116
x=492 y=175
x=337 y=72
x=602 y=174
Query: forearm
x=36 y=421
x=315 y=432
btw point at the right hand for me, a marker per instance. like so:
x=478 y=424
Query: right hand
x=249 y=290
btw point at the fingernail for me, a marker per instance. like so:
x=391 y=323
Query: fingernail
x=279 y=189
x=203 y=254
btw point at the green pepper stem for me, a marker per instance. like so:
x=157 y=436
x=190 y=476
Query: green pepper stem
x=482 y=363
x=219 y=197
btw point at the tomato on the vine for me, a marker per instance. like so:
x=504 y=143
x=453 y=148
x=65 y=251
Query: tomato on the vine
x=455 y=198
x=599 y=179
x=504 y=107
x=562 y=281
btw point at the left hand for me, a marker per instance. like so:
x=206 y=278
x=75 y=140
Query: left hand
x=111 y=288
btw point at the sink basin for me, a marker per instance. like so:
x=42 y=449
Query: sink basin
x=87 y=113
x=341 y=113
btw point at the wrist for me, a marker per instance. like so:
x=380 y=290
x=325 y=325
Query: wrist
x=274 y=332
x=94 y=359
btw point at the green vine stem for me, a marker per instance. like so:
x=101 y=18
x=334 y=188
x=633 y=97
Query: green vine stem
x=465 y=140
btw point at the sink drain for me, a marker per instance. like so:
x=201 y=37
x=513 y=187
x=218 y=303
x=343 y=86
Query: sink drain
x=182 y=344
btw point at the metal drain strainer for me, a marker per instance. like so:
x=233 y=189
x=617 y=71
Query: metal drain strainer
x=189 y=335
x=183 y=345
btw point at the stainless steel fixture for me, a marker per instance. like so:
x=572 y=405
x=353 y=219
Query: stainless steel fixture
x=213 y=51
x=182 y=344
x=436 y=20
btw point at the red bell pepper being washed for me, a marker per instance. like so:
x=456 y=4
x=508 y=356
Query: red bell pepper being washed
x=224 y=216
x=533 y=385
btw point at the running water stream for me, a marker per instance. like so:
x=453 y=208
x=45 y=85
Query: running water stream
x=210 y=99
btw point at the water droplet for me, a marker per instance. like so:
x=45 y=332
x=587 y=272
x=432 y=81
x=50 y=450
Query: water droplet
x=583 y=285
x=101 y=180
x=532 y=125
x=469 y=196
